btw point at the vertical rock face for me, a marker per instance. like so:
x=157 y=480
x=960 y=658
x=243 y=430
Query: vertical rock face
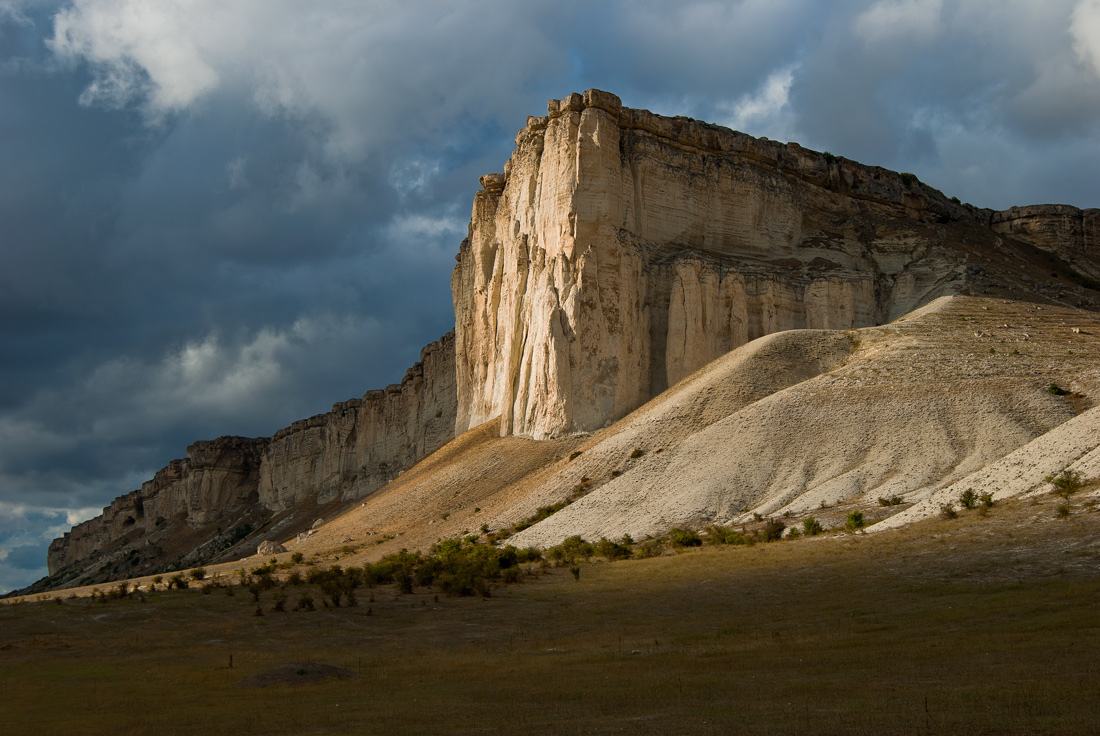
x=216 y=480
x=620 y=251
x=364 y=443
x=352 y=450
x=1069 y=233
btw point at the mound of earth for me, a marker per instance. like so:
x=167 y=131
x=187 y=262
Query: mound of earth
x=296 y=673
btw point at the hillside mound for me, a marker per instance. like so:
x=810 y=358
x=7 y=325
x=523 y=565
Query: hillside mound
x=920 y=404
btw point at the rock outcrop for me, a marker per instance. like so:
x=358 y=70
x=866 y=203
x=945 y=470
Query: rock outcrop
x=213 y=503
x=618 y=252
x=1069 y=233
x=217 y=480
x=364 y=443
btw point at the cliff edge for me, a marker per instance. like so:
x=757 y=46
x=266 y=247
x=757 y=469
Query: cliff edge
x=617 y=253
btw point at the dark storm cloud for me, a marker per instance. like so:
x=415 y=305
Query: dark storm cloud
x=216 y=218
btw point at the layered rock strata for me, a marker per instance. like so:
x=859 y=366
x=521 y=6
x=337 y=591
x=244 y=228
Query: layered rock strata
x=217 y=479
x=364 y=443
x=1070 y=233
x=340 y=455
x=620 y=250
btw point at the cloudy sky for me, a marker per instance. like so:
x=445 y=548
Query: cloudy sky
x=218 y=216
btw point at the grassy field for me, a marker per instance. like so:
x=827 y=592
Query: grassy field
x=975 y=625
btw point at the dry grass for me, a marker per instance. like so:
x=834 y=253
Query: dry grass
x=976 y=625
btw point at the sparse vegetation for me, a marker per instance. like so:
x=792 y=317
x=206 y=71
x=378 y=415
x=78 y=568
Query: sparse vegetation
x=855 y=521
x=681 y=538
x=638 y=452
x=1066 y=483
x=948 y=511
x=894 y=500
x=772 y=530
x=1056 y=390
x=614 y=550
x=968 y=499
x=811 y=527
x=718 y=534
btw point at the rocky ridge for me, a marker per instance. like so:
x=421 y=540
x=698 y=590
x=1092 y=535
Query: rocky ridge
x=618 y=253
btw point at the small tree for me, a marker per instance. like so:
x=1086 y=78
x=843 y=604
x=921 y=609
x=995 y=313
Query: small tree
x=968 y=499
x=1066 y=483
x=772 y=530
x=811 y=527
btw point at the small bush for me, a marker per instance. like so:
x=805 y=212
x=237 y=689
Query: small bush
x=649 y=548
x=638 y=452
x=968 y=499
x=1066 y=483
x=305 y=603
x=612 y=550
x=773 y=530
x=986 y=500
x=198 y=573
x=948 y=511
x=681 y=538
x=1063 y=510
x=894 y=500
x=570 y=550
x=718 y=534
x=811 y=527
x=297 y=558
x=855 y=521
x=178 y=581
x=1056 y=390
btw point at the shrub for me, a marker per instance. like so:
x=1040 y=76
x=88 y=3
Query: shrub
x=794 y=533
x=650 y=548
x=894 y=500
x=543 y=512
x=968 y=499
x=718 y=534
x=811 y=527
x=305 y=603
x=178 y=581
x=855 y=521
x=681 y=538
x=297 y=558
x=986 y=499
x=948 y=511
x=612 y=550
x=772 y=531
x=198 y=573
x=1063 y=510
x=638 y=452
x=570 y=550
x=1066 y=483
